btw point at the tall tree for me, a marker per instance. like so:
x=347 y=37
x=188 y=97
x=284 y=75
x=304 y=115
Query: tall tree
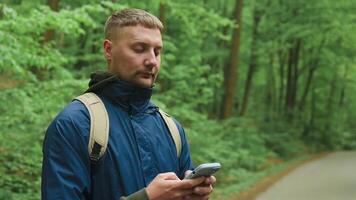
x=231 y=69
x=292 y=76
x=343 y=88
x=162 y=13
x=49 y=34
x=312 y=66
x=257 y=14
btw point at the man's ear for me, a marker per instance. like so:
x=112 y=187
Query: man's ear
x=107 y=49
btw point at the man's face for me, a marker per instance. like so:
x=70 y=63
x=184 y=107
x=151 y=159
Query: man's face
x=135 y=54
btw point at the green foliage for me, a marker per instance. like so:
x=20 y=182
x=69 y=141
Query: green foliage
x=25 y=113
x=237 y=145
x=36 y=103
x=185 y=73
x=19 y=39
x=40 y=77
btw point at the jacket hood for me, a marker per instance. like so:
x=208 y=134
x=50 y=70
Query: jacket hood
x=100 y=79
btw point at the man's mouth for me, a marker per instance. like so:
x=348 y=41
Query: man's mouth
x=146 y=74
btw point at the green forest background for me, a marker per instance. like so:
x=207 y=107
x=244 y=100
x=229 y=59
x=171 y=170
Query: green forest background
x=254 y=83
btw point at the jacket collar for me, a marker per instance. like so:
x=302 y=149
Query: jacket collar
x=131 y=98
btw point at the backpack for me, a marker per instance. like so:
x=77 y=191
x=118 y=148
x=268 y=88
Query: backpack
x=99 y=126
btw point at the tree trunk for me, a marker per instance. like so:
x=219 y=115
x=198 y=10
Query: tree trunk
x=253 y=61
x=330 y=108
x=310 y=126
x=221 y=63
x=282 y=62
x=162 y=17
x=343 y=89
x=330 y=101
x=49 y=34
x=47 y=37
x=289 y=88
x=292 y=77
x=162 y=14
x=312 y=68
x=231 y=72
x=313 y=107
x=1 y=11
x=270 y=103
x=307 y=86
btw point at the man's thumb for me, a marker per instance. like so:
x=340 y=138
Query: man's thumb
x=170 y=176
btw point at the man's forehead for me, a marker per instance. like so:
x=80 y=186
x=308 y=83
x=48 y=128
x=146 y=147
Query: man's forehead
x=140 y=34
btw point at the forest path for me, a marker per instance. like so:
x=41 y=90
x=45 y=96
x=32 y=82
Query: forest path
x=331 y=178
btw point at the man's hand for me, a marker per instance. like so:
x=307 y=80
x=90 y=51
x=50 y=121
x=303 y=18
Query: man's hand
x=203 y=190
x=168 y=186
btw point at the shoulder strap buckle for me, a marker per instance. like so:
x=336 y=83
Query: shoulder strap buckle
x=99 y=125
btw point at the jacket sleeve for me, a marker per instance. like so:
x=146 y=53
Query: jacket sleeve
x=139 y=195
x=66 y=164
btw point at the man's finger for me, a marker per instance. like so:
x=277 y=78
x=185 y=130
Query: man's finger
x=190 y=183
x=203 y=190
x=186 y=192
x=186 y=173
x=210 y=180
x=168 y=176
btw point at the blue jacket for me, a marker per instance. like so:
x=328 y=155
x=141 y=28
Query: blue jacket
x=140 y=147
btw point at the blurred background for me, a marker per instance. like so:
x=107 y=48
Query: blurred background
x=258 y=85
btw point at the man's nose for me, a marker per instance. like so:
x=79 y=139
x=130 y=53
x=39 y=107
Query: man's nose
x=151 y=59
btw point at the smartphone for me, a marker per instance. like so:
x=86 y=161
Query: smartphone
x=206 y=169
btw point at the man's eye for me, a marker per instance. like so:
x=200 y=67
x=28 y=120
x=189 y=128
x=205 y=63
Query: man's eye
x=157 y=52
x=139 y=49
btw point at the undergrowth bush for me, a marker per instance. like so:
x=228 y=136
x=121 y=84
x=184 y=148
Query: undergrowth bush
x=26 y=112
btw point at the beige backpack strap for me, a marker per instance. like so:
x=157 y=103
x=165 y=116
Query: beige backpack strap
x=173 y=130
x=99 y=125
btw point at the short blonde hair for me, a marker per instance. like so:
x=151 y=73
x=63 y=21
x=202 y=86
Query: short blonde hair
x=130 y=17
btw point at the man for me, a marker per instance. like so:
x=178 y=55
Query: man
x=141 y=160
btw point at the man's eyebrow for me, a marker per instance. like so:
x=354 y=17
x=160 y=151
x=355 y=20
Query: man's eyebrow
x=146 y=44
